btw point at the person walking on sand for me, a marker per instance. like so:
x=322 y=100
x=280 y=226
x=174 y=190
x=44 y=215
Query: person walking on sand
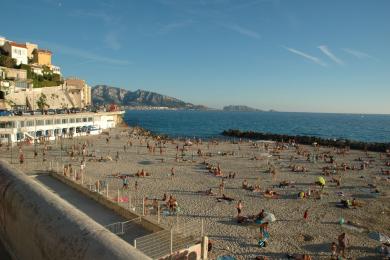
x=306 y=214
x=239 y=208
x=172 y=172
x=21 y=158
x=333 y=250
x=343 y=243
x=136 y=185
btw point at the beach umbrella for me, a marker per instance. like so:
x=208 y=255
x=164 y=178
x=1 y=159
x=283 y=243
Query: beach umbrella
x=321 y=180
x=379 y=237
x=268 y=217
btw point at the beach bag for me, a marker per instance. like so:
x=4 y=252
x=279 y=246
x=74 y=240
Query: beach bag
x=262 y=243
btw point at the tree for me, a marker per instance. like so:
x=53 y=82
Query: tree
x=42 y=102
x=7 y=61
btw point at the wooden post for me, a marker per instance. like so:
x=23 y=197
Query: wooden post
x=135 y=243
x=98 y=186
x=107 y=190
x=82 y=177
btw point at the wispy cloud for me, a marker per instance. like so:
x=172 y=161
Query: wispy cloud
x=306 y=56
x=174 y=26
x=330 y=54
x=358 y=54
x=242 y=30
x=111 y=36
x=112 y=39
x=87 y=55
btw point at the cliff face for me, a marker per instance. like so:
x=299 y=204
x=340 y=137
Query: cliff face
x=103 y=94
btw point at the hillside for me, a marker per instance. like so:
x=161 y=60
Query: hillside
x=103 y=94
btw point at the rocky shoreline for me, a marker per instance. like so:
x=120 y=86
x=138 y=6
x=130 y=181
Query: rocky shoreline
x=309 y=140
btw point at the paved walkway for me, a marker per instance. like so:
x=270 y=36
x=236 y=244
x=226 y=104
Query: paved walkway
x=90 y=207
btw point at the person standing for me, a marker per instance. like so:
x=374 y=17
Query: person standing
x=239 y=208
x=306 y=214
x=343 y=243
x=21 y=158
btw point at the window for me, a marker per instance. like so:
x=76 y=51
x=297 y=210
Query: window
x=30 y=123
x=64 y=120
x=6 y=124
x=21 y=123
x=71 y=120
x=85 y=119
x=78 y=120
x=58 y=121
x=89 y=119
x=49 y=122
x=39 y=122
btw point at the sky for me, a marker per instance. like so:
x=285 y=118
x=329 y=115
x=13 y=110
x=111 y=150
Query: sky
x=302 y=55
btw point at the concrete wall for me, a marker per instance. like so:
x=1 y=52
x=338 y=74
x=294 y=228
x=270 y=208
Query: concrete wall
x=34 y=224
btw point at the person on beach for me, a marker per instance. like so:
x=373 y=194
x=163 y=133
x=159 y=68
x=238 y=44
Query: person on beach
x=333 y=250
x=239 y=208
x=343 y=241
x=125 y=182
x=306 y=214
x=172 y=172
x=136 y=185
x=21 y=158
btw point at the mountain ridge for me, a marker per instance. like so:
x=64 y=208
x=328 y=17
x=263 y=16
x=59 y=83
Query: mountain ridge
x=104 y=94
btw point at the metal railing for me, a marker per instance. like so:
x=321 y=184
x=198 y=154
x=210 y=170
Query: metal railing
x=121 y=228
x=166 y=242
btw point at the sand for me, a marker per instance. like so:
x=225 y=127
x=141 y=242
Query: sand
x=289 y=234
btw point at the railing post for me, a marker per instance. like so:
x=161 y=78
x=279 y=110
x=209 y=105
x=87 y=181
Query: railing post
x=158 y=213
x=143 y=206
x=202 y=228
x=171 y=246
x=107 y=190
x=135 y=243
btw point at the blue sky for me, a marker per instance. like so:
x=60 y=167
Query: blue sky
x=322 y=56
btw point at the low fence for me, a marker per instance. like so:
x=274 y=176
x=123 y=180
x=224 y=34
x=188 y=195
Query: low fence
x=167 y=242
x=121 y=228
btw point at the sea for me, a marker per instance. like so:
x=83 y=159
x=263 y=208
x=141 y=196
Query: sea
x=210 y=124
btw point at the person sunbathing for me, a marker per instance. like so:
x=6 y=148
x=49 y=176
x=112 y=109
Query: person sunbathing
x=208 y=192
x=256 y=188
x=385 y=172
x=270 y=193
x=224 y=197
x=284 y=183
x=356 y=203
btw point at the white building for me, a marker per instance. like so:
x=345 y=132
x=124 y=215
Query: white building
x=16 y=51
x=55 y=69
x=29 y=127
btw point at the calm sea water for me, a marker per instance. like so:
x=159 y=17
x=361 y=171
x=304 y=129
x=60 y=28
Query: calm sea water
x=210 y=124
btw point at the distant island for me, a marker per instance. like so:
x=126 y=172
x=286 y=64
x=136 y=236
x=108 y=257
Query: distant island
x=241 y=108
x=139 y=99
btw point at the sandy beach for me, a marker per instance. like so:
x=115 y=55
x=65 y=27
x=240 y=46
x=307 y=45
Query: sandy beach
x=124 y=151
